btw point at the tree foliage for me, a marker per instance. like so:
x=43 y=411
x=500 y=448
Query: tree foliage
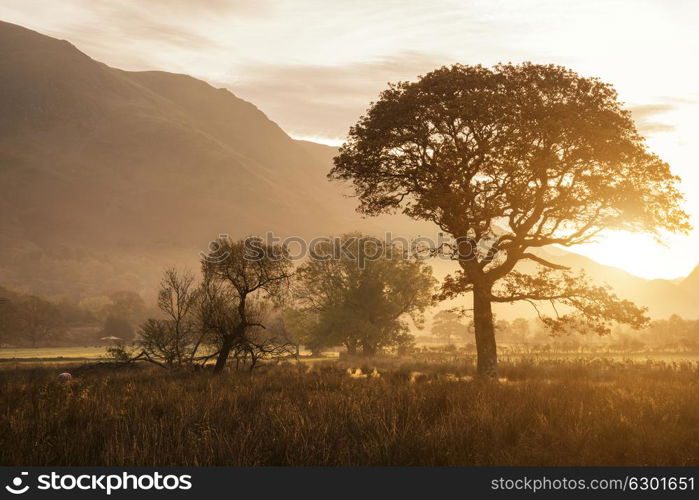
x=362 y=299
x=38 y=320
x=448 y=325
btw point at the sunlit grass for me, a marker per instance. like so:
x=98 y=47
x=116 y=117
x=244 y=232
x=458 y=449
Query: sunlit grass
x=88 y=353
x=542 y=413
x=91 y=353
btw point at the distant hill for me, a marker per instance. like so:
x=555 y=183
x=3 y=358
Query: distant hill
x=107 y=176
x=662 y=297
x=691 y=283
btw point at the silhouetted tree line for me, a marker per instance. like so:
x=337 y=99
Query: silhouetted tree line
x=30 y=320
x=673 y=334
x=248 y=306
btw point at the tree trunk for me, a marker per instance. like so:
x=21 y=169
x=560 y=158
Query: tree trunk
x=223 y=354
x=485 y=332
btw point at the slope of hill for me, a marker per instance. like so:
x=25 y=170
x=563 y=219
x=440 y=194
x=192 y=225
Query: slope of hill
x=691 y=282
x=662 y=297
x=102 y=169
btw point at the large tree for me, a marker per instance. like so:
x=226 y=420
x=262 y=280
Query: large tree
x=507 y=160
x=361 y=298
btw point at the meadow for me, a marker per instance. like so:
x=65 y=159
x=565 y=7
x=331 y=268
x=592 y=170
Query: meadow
x=419 y=411
x=78 y=353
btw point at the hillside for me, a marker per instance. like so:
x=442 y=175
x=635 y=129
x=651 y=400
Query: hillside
x=107 y=173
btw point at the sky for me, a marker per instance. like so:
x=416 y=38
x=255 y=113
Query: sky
x=314 y=66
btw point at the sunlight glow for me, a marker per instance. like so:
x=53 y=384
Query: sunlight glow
x=640 y=255
x=327 y=141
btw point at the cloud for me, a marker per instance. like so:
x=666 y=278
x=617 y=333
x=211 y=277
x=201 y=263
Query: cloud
x=314 y=66
x=326 y=100
x=645 y=117
x=178 y=23
x=136 y=35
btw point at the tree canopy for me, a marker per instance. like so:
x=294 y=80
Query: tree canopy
x=447 y=325
x=364 y=298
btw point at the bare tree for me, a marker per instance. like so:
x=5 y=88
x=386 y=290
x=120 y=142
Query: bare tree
x=178 y=298
x=270 y=343
x=175 y=340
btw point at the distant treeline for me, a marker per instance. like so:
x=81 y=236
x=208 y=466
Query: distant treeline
x=31 y=321
x=674 y=334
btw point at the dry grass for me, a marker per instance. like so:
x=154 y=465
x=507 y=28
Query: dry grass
x=548 y=413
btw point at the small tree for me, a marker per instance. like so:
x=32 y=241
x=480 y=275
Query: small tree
x=176 y=339
x=507 y=160
x=520 y=329
x=239 y=283
x=447 y=325
x=299 y=324
x=362 y=297
x=271 y=343
x=158 y=340
x=177 y=298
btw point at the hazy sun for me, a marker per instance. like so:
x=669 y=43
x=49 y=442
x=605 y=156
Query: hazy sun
x=639 y=254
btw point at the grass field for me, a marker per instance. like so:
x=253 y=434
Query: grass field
x=74 y=354
x=542 y=412
x=90 y=353
x=95 y=353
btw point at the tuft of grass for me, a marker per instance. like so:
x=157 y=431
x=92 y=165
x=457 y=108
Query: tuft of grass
x=560 y=412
